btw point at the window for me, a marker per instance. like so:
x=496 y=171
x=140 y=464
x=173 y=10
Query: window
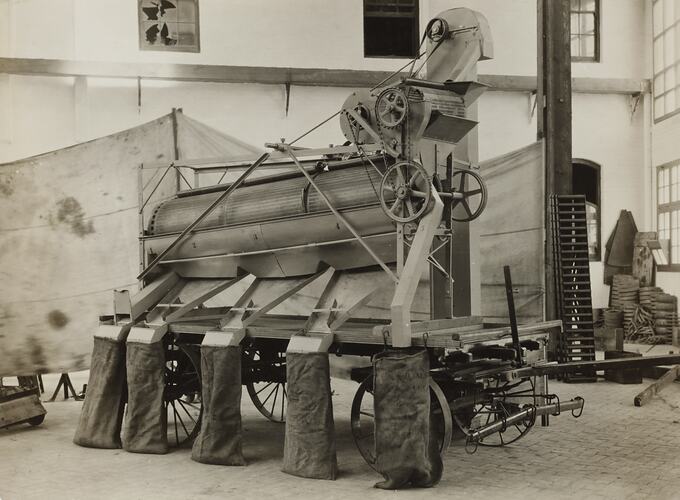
x=668 y=212
x=168 y=25
x=666 y=19
x=585 y=30
x=390 y=28
x=585 y=180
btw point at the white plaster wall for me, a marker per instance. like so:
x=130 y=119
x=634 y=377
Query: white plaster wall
x=605 y=132
x=42 y=115
x=303 y=33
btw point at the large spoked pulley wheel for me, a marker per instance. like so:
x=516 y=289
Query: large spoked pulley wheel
x=182 y=395
x=363 y=419
x=405 y=192
x=265 y=380
x=391 y=108
x=469 y=195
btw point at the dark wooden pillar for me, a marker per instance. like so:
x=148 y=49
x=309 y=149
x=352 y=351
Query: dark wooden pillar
x=554 y=120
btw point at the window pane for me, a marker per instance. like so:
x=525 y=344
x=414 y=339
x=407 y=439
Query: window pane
x=587 y=46
x=668 y=13
x=669 y=79
x=588 y=24
x=658 y=17
x=669 y=47
x=674 y=183
x=659 y=85
x=658 y=107
x=575 y=4
x=658 y=55
x=575 y=25
x=670 y=102
x=588 y=5
x=575 y=46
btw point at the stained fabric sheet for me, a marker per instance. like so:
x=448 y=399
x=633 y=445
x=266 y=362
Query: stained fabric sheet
x=511 y=232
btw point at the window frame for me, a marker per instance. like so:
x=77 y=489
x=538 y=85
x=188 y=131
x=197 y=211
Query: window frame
x=415 y=42
x=194 y=49
x=669 y=208
x=672 y=66
x=596 y=33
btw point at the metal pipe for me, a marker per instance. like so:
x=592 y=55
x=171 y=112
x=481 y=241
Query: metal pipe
x=271 y=250
x=600 y=364
x=530 y=412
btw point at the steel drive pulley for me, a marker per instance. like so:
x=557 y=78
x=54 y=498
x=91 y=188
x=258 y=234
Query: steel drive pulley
x=405 y=191
x=391 y=108
x=468 y=195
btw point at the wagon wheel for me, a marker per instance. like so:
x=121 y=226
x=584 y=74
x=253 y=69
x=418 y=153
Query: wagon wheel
x=469 y=191
x=265 y=379
x=362 y=419
x=495 y=409
x=182 y=393
x=405 y=191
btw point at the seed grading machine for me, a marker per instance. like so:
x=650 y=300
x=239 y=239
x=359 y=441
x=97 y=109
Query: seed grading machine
x=290 y=262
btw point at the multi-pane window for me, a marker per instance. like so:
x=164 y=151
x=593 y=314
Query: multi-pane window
x=585 y=32
x=668 y=199
x=666 y=19
x=168 y=25
x=390 y=28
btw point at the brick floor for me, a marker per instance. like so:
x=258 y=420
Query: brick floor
x=614 y=450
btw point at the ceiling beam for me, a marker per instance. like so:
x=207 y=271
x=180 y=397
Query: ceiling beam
x=318 y=77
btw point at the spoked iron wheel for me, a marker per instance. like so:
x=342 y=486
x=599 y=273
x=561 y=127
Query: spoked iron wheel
x=265 y=379
x=182 y=394
x=363 y=419
x=405 y=192
x=470 y=195
x=496 y=409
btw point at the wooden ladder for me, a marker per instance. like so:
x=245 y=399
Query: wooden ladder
x=572 y=281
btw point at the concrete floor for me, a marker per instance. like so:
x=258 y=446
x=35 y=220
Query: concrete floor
x=614 y=450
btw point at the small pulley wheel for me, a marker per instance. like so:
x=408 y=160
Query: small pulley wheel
x=405 y=192
x=437 y=29
x=469 y=195
x=391 y=108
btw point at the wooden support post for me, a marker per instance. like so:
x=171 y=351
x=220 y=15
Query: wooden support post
x=554 y=103
x=667 y=379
